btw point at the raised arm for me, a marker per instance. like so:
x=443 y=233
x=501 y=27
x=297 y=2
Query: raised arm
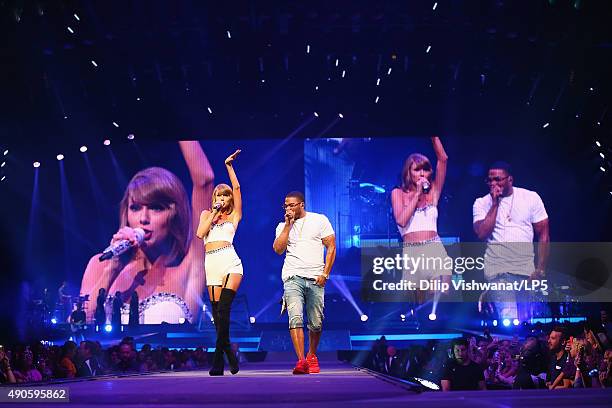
x=229 y=165
x=403 y=209
x=442 y=160
x=202 y=177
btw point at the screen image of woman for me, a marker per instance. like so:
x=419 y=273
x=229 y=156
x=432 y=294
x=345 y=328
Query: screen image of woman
x=164 y=266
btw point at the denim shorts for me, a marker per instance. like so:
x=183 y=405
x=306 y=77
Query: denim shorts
x=301 y=291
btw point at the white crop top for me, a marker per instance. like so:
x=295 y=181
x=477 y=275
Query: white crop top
x=423 y=219
x=224 y=231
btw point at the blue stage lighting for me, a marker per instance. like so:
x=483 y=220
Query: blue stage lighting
x=516 y=322
x=364 y=318
x=495 y=323
x=506 y=322
x=53 y=320
x=432 y=316
x=108 y=328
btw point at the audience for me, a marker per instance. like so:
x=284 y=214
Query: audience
x=552 y=361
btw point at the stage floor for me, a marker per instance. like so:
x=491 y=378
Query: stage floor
x=272 y=384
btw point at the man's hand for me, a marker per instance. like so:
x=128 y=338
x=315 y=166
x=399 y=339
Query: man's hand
x=495 y=192
x=321 y=280
x=537 y=274
x=289 y=217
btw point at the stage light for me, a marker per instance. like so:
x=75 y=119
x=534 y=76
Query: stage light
x=76 y=17
x=337 y=61
x=495 y=323
x=546 y=125
x=60 y=157
x=115 y=124
x=70 y=30
x=181 y=320
x=341 y=116
x=602 y=155
x=482 y=323
x=97 y=328
x=94 y=63
x=263 y=81
x=598 y=123
x=402 y=316
x=107 y=142
x=36 y=165
x=5 y=152
x=316 y=114
x=591 y=89
x=203 y=308
x=432 y=316
x=3 y=164
x=307 y=49
x=516 y=322
x=378 y=82
x=343 y=73
x=83 y=149
x=229 y=35
x=506 y=322
x=209 y=110
x=130 y=136
x=3 y=178
x=377 y=99
x=138 y=98
x=364 y=318
x=602 y=169
x=577 y=116
x=252 y=319
x=596 y=144
x=389 y=71
x=108 y=328
x=428 y=49
x=65 y=117
x=435 y=5
x=317 y=88
x=427 y=384
x=53 y=320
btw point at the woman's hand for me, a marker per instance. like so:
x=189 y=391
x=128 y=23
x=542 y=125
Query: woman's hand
x=232 y=157
x=125 y=233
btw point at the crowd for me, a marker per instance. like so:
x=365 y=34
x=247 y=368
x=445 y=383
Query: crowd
x=562 y=357
x=40 y=362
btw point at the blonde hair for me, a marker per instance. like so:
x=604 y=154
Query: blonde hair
x=162 y=187
x=420 y=161
x=223 y=189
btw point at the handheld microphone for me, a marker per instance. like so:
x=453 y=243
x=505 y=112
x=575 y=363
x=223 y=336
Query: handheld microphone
x=426 y=187
x=120 y=247
x=217 y=206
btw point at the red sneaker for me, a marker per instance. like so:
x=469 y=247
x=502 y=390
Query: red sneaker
x=313 y=364
x=301 y=367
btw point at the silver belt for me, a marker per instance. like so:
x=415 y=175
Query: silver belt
x=213 y=251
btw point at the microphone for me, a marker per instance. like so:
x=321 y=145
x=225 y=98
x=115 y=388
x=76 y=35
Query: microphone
x=426 y=186
x=120 y=247
x=217 y=206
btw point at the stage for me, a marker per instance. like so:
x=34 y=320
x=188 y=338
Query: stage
x=271 y=382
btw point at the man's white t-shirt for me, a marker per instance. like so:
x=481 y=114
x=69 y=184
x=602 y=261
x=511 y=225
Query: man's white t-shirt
x=510 y=245
x=304 y=255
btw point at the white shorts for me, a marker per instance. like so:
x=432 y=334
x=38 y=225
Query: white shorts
x=433 y=262
x=220 y=262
